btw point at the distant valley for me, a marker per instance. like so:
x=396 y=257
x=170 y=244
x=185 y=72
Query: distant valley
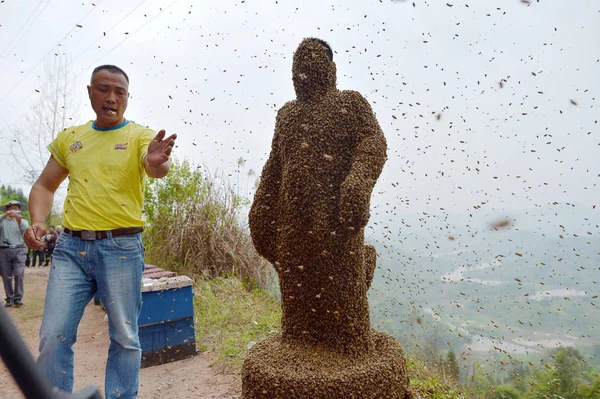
x=478 y=282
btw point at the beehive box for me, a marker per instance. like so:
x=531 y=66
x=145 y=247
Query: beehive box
x=166 y=323
x=150 y=272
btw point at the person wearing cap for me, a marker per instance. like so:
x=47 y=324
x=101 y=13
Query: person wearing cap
x=12 y=252
x=100 y=249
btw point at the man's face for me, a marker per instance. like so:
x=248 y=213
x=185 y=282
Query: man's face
x=108 y=93
x=12 y=209
x=51 y=229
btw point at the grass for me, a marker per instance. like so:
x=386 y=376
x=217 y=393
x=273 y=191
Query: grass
x=429 y=383
x=229 y=317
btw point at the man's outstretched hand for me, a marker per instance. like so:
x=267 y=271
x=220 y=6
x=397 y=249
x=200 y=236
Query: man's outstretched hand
x=159 y=149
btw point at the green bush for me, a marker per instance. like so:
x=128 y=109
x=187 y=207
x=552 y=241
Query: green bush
x=430 y=382
x=505 y=392
x=194 y=226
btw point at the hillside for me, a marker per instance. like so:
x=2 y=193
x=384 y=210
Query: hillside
x=450 y=282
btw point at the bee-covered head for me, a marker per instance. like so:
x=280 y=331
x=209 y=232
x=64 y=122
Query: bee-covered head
x=313 y=70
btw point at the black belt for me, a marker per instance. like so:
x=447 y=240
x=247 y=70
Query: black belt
x=13 y=247
x=88 y=235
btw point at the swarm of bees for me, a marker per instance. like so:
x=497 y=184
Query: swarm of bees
x=308 y=218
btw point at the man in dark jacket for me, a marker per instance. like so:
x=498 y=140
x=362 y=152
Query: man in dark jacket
x=51 y=237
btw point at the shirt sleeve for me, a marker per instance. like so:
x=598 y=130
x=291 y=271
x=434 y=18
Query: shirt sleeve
x=24 y=225
x=145 y=138
x=57 y=149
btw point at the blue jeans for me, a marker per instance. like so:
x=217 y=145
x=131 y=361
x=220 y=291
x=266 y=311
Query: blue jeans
x=112 y=267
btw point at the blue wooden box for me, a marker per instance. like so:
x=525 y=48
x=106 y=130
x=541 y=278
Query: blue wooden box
x=166 y=322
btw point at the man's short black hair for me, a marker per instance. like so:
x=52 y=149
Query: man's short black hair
x=326 y=45
x=111 y=68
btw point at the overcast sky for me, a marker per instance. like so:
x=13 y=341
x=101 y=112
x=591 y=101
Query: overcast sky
x=216 y=71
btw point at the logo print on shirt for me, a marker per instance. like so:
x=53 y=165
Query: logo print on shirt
x=120 y=146
x=76 y=146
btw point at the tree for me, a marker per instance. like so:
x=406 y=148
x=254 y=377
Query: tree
x=452 y=366
x=568 y=362
x=49 y=115
x=8 y=193
x=518 y=376
x=544 y=384
x=432 y=342
x=590 y=391
x=559 y=380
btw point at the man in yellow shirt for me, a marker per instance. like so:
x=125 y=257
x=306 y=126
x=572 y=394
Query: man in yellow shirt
x=100 y=249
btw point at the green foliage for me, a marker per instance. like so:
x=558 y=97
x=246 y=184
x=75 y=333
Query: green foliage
x=194 y=226
x=229 y=317
x=433 y=388
x=164 y=196
x=563 y=376
x=451 y=366
x=505 y=392
x=519 y=375
x=544 y=385
x=427 y=382
x=591 y=391
x=9 y=193
x=568 y=362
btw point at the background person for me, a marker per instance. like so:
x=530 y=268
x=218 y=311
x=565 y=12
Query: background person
x=12 y=252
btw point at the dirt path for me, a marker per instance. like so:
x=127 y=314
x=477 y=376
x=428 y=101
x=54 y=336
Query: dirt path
x=198 y=377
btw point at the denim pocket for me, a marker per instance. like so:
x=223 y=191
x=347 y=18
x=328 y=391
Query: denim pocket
x=142 y=246
x=126 y=243
x=61 y=239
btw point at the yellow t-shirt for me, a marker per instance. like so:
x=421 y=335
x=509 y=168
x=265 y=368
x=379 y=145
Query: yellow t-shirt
x=106 y=174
